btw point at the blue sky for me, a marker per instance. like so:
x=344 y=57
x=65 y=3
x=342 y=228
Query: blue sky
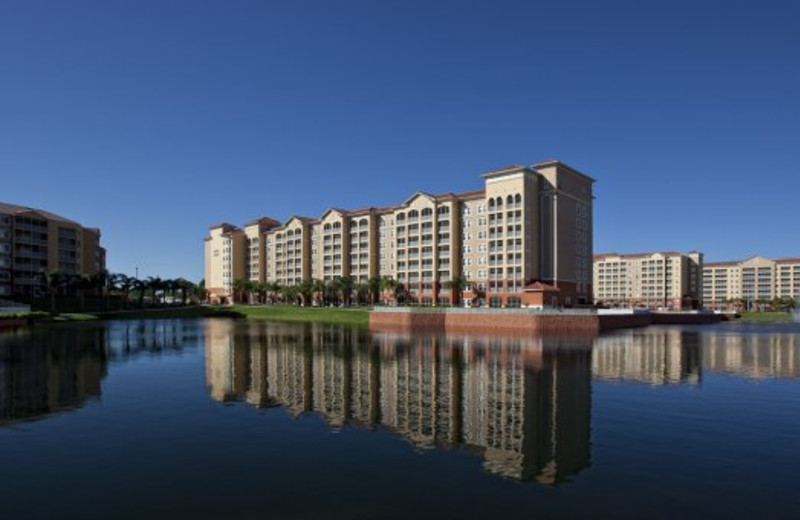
x=155 y=119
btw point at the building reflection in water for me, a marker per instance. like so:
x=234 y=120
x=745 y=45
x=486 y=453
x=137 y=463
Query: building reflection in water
x=522 y=404
x=45 y=370
x=664 y=355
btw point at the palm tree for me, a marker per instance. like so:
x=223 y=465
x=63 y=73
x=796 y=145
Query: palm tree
x=200 y=290
x=319 y=287
x=389 y=284
x=124 y=283
x=346 y=285
x=53 y=281
x=374 y=287
x=458 y=284
x=184 y=286
x=141 y=286
x=154 y=283
x=239 y=288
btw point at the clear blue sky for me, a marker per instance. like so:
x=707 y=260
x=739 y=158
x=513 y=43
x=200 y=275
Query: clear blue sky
x=155 y=119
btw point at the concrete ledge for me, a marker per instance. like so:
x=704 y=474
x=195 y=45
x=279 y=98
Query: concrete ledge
x=485 y=321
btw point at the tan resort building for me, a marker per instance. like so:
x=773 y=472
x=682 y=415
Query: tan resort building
x=34 y=241
x=658 y=280
x=524 y=238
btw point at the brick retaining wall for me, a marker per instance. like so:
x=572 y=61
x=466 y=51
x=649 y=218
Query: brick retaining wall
x=485 y=322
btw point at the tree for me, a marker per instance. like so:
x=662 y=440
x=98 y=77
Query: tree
x=319 y=287
x=374 y=287
x=155 y=284
x=239 y=288
x=185 y=286
x=53 y=282
x=390 y=285
x=141 y=287
x=458 y=284
x=345 y=285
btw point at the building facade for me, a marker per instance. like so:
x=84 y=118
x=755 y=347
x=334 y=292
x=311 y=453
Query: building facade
x=526 y=234
x=34 y=241
x=662 y=280
x=750 y=283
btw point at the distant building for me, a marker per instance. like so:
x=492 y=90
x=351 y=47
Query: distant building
x=34 y=241
x=662 y=280
x=525 y=237
x=750 y=283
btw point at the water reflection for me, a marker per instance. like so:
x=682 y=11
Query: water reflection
x=50 y=369
x=661 y=356
x=521 y=404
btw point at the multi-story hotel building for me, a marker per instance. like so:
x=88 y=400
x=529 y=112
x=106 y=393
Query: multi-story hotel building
x=665 y=280
x=526 y=236
x=34 y=241
x=750 y=283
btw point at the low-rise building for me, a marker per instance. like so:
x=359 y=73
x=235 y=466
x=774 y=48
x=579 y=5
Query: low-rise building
x=751 y=283
x=659 y=280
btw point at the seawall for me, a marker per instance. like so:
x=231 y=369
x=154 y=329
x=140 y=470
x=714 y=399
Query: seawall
x=526 y=321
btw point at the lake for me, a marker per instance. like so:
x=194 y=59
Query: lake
x=222 y=418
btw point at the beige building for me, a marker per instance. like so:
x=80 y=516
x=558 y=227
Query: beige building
x=664 y=280
x=750 y=283
x=527 y=224
x=34 y=241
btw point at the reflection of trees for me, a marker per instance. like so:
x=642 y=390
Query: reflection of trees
x=48 y=369
x=523 y=404
x=663 y=355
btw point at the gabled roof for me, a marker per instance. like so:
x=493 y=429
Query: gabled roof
x=541 y=287
x=340 y=211
x=264 y=221
x=418 y=194
x=304 y=220
x=225 y=226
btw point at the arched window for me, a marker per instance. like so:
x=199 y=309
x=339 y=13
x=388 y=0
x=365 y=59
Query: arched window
x=353 y=224
x=427 y=212
x=337 y=225
x=499 y=202
x=363 y=222
x=518 y=198
x=491 y=203
x=413 y=213
x=443 y=210
x=401 y=217
x=326 y=227
x=509 y=200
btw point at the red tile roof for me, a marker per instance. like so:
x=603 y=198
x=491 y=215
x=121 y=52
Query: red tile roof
x=539 y=286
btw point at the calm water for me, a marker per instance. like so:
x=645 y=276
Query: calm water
x=233 y=419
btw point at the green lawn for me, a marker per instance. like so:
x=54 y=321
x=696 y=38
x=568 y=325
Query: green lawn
x=765 y=317
x=306 y=314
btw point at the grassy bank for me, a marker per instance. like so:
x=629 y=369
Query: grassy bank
x=306 y=314
x=286 y=313
x=765 y=317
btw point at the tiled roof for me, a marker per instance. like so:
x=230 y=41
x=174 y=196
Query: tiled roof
x=600 y=256
x=263 y=220
x=13 y=209
x=539 y=286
